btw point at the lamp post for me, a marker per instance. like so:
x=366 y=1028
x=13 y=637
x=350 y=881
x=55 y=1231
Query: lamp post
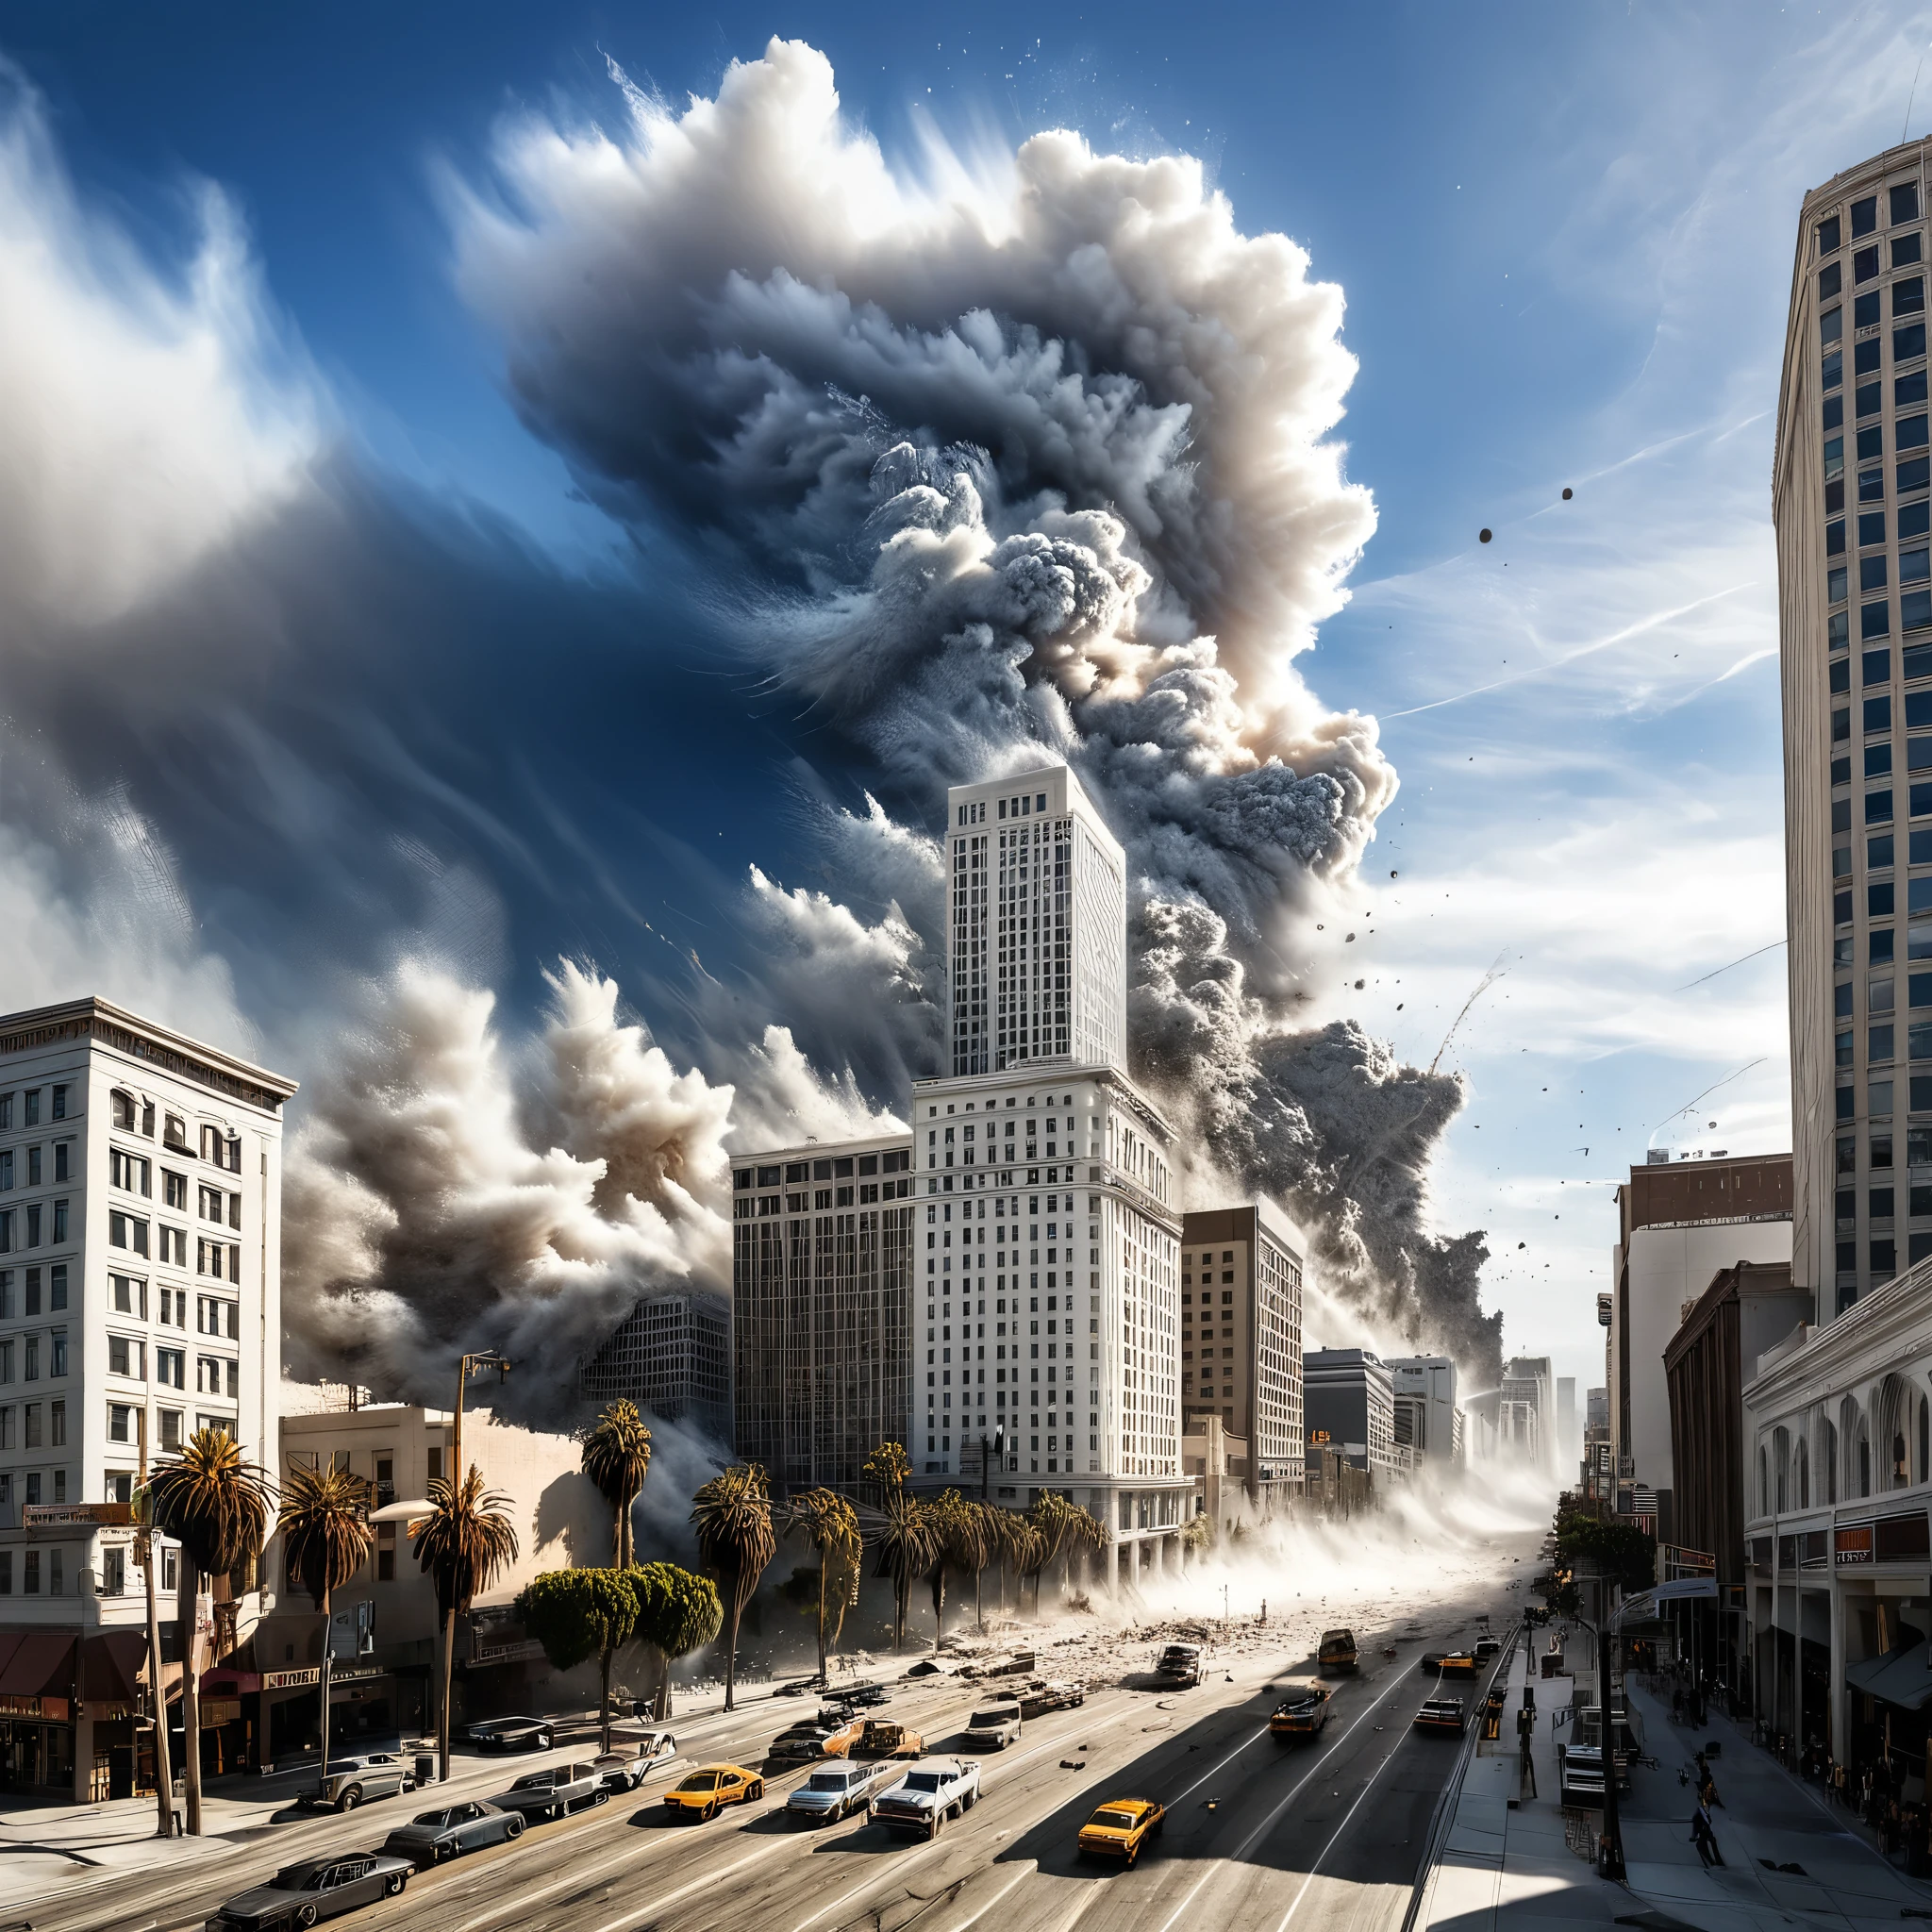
x=148 y=1552
x=486 y=1358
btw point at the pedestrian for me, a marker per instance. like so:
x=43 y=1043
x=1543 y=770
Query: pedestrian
x=1705 y=1839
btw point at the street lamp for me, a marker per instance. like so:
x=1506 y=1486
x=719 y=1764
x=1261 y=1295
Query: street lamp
x=471 y=1364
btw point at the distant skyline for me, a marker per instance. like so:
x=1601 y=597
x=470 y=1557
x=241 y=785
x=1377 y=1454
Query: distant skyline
x=1565 y=245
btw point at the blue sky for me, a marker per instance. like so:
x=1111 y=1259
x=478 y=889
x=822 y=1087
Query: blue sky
x=1564 y=236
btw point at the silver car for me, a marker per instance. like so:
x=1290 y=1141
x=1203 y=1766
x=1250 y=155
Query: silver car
x=432 y=1837
x=835 y=1790
x=626 y=1768
x=347 y=1782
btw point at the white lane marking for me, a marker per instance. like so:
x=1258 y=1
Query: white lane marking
x=1267 y=1824
x=872 y=1882
x=1330 y=1845
x=967 y=1925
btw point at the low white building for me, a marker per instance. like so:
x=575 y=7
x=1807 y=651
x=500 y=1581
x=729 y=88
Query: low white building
x=1838 y=1471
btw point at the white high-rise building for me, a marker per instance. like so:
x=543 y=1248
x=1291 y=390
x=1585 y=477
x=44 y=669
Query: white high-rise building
x=139 y=1286
x=1852 y=506
x=1037 y=945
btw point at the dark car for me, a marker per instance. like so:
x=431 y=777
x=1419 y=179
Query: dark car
x=514 y=1734
x=316 y=1888
x=431 y=1836
x=863 y=1696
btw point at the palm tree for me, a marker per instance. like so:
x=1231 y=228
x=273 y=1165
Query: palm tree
x=904 y=1553
x=956 y=1542
x=465 y=1542
x=1029 y=1558
x=325 y=1540
x=977 y=1540
x=830 y=1524
x=732 y=1515
x=215 y=1506
x=617 y=1457
x=886 y=1469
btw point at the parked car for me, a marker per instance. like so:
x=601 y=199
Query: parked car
x=1449 y=1663
x=864 y=1697
x=1120 y=1827
x=927 y=1795
x=706 y=1790
x=1180 y=1663
x=431 y=1836
x=347 y=1782
x=1041 y=1696
x=994 y=1727
x=836 y=1790
x=626 y=1768
x=800 y=1687
x=316 y=1888
x=879 y=1740
x=555 y=1793
x=1337 y=1652
x=933 y=1667
x=1302 y=1713
x=1486 y=1648
x=514 y=1734
x=1440 y=1714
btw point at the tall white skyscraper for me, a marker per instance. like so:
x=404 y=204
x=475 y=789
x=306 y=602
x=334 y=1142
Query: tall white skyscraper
x=1852 y=505
x=140 y=1292
x=1037 y=947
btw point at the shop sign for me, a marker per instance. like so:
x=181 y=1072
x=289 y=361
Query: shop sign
x=516 y=1651
x=1853 y=1543
x=69 y=1515
x=296 y=1680
x=54 y=1708
x=217 y=1711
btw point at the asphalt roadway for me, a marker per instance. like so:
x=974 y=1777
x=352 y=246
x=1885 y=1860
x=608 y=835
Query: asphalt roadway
x=1324 y=1836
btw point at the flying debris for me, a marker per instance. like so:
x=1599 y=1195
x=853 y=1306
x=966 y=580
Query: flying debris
x=1568 y=492
x=1523 y=1244
x=1359 y=984
x=1482 y=537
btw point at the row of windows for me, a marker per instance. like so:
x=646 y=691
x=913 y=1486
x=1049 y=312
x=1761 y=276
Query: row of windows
x=29 y=1166
x=33 y=1227
x=1902 y=203
x=218 y=1148
x=31 y=1099
x=838 y=1166
x=30 y=1282
x=1907 y=345
x=1023 y=806
x=1908 y=298
x=34 y=1352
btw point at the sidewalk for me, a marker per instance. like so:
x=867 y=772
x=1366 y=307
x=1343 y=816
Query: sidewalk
x=45 y=1847
x=1511 y=1866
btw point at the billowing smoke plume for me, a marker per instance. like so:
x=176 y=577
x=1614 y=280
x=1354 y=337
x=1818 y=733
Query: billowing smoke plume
x=1031 y=462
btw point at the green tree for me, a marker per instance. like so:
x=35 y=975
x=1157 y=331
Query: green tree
x=215 y=1505
x=904 y=1545
x=732 y=1515
x=463 y=1545
x=678 y=1612
x=957 y=1545
x=1589 y=1544
x=325 y=1539
x=617 y=1457
x=578 y=1614
x=830 y=1524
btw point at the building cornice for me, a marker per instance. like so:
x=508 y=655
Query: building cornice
x=180 y=1054
x=1893 y=1322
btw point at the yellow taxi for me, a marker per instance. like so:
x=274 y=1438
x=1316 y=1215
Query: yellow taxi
x=1120 y=1827
x=1302 y=1712
x=704 y=1790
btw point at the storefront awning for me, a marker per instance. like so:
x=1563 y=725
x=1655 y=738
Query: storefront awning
x=113 y=1666
x=36 y=1663
x=1900 y=1677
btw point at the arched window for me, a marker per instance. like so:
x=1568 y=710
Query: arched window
x=1781 y=1462
x=1804 y=1474
x=1827 y=1456
x=1901 y=1468
x=124 y=1111
x=1864 y=1461
x=1763 y=1482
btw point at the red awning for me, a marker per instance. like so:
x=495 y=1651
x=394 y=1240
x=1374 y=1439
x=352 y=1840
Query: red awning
x=36 y=1663
x=113 y=1666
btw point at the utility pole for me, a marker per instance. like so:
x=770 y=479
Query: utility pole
x=1611 y=1865
x=147 y=1553
x=487 y=1358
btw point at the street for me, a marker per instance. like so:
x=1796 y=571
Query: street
x=1259 y=1833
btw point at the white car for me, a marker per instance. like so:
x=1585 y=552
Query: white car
x=994 y=1727
x=837 y=1789
x=625 y=1766
x=351 y=1781
x=934 y=1789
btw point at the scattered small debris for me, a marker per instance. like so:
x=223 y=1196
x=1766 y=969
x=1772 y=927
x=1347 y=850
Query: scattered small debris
x=1080 y=1763
x=1482 y=536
